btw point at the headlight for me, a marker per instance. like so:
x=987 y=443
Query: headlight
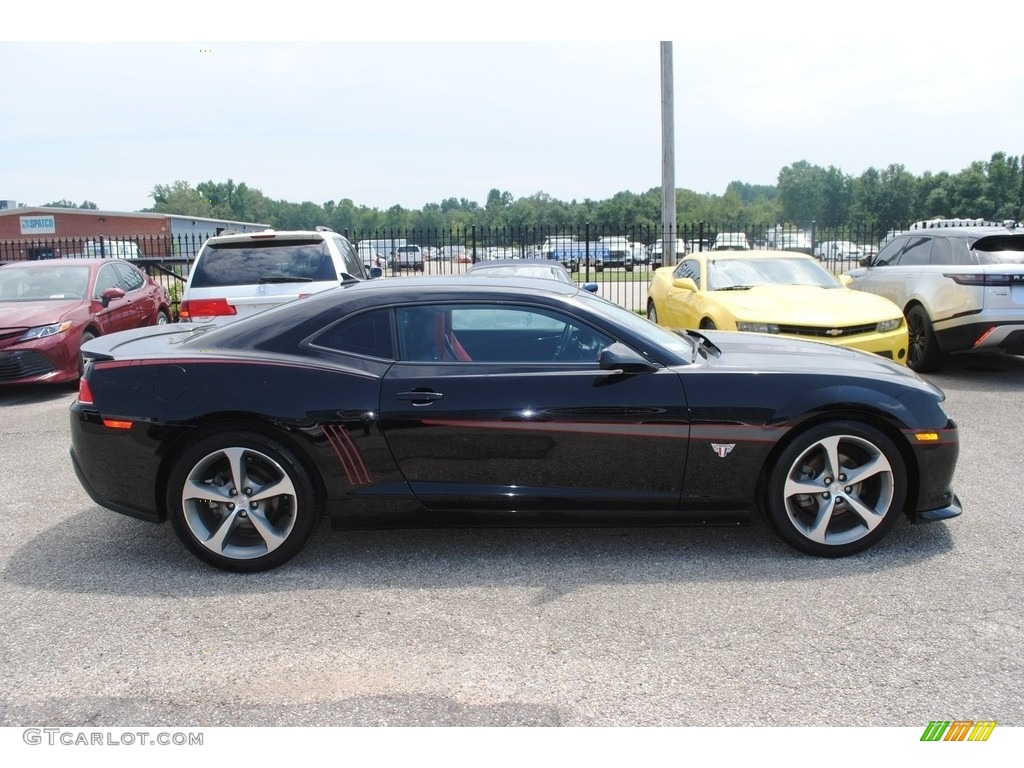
x=889 y=325
x=757 y=327
x=42 y=331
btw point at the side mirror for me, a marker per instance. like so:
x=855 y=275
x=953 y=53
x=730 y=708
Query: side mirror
x=110 y=294
x=591 y=287
x=685 y=283
x=619 y=357
x=375 y=272
x=846 y=280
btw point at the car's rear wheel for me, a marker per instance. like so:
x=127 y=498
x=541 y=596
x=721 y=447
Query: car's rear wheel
x=652 y=312
x=162 y=317
x=708 y=325
x=241 y=501
x=836 y=489
x=924 y=354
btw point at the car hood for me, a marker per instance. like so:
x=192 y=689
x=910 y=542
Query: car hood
x=28 y=314
x=806 y=305
x=767 y=353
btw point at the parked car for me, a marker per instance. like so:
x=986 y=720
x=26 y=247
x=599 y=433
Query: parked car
x=731 y=241
x=240 y=274
x=440 y=401
x=457 y=254
x=961 y=288
x=656 y=252
x=408 y=256
x=833 y=250
x=564 y=248
x=776 y=292
x=546 y=269
x=615 y=251
x=48 y=309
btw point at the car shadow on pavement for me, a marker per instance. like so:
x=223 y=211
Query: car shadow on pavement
x=97 y=552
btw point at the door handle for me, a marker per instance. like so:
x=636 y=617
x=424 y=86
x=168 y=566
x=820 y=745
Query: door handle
x=420 y=397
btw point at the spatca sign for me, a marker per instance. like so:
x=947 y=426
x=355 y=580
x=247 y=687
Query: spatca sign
x=38 y=225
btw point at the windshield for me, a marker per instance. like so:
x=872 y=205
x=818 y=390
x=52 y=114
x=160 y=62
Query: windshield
x=44 y=282
x=1000 y=250
x=731 y=273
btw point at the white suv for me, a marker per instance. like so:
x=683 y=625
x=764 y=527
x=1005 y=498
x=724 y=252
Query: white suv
x=234 y=275
x=961 y=288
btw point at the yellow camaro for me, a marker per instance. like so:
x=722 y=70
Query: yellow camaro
x=779 y=292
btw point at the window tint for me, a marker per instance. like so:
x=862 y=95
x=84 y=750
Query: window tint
x=254 y=262
x=368 y=334
x=889 y=252
x=942 y=252
x=916 y=252
x=353 y=265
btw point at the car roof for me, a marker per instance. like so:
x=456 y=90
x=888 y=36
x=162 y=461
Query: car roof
x=964 y=232
x=268 y=234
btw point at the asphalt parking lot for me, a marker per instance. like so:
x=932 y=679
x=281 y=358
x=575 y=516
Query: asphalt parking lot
x=107 y=621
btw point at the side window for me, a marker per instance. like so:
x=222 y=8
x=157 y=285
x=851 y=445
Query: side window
x=131 y=279
x=351 y=262
x=889 y=252
x=368 y=333
x=689 y=268
x=495 y=334
x=942 y=252
x=106 y=278
x=917 y=252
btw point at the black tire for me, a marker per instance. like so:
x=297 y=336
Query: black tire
x=163 y=317
x=86 y=336
x=836 y=489
x=280 y=494
x=708 y=325
x=652 y=312
x=924 y=355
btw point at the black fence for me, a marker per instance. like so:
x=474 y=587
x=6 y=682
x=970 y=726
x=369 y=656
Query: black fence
x=619 y=258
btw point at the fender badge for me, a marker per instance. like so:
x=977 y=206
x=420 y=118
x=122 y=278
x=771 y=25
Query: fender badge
x=722 y=449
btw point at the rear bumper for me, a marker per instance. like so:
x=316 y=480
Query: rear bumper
x=982 y=333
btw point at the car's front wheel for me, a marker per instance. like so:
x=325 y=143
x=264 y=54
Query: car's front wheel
x=836 y=489
x=652 y=312
x=924 y=354
x=241 y=501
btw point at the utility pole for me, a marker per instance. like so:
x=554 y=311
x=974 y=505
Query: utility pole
x=668 y=158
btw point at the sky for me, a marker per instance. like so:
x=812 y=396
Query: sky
x=416 y=103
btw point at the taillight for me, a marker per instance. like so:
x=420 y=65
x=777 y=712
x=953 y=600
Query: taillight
x=84 y=393
x=205 y=308
x=985 y=280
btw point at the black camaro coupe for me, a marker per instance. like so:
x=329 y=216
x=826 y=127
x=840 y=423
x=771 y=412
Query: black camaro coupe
x=447 y=401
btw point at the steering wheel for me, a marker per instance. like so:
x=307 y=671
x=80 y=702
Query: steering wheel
x=564 y=340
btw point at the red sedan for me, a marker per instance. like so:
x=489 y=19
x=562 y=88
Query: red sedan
x=48 y=309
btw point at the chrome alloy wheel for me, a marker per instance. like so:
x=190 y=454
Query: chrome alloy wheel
x=839 y=490
x=239 y=503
